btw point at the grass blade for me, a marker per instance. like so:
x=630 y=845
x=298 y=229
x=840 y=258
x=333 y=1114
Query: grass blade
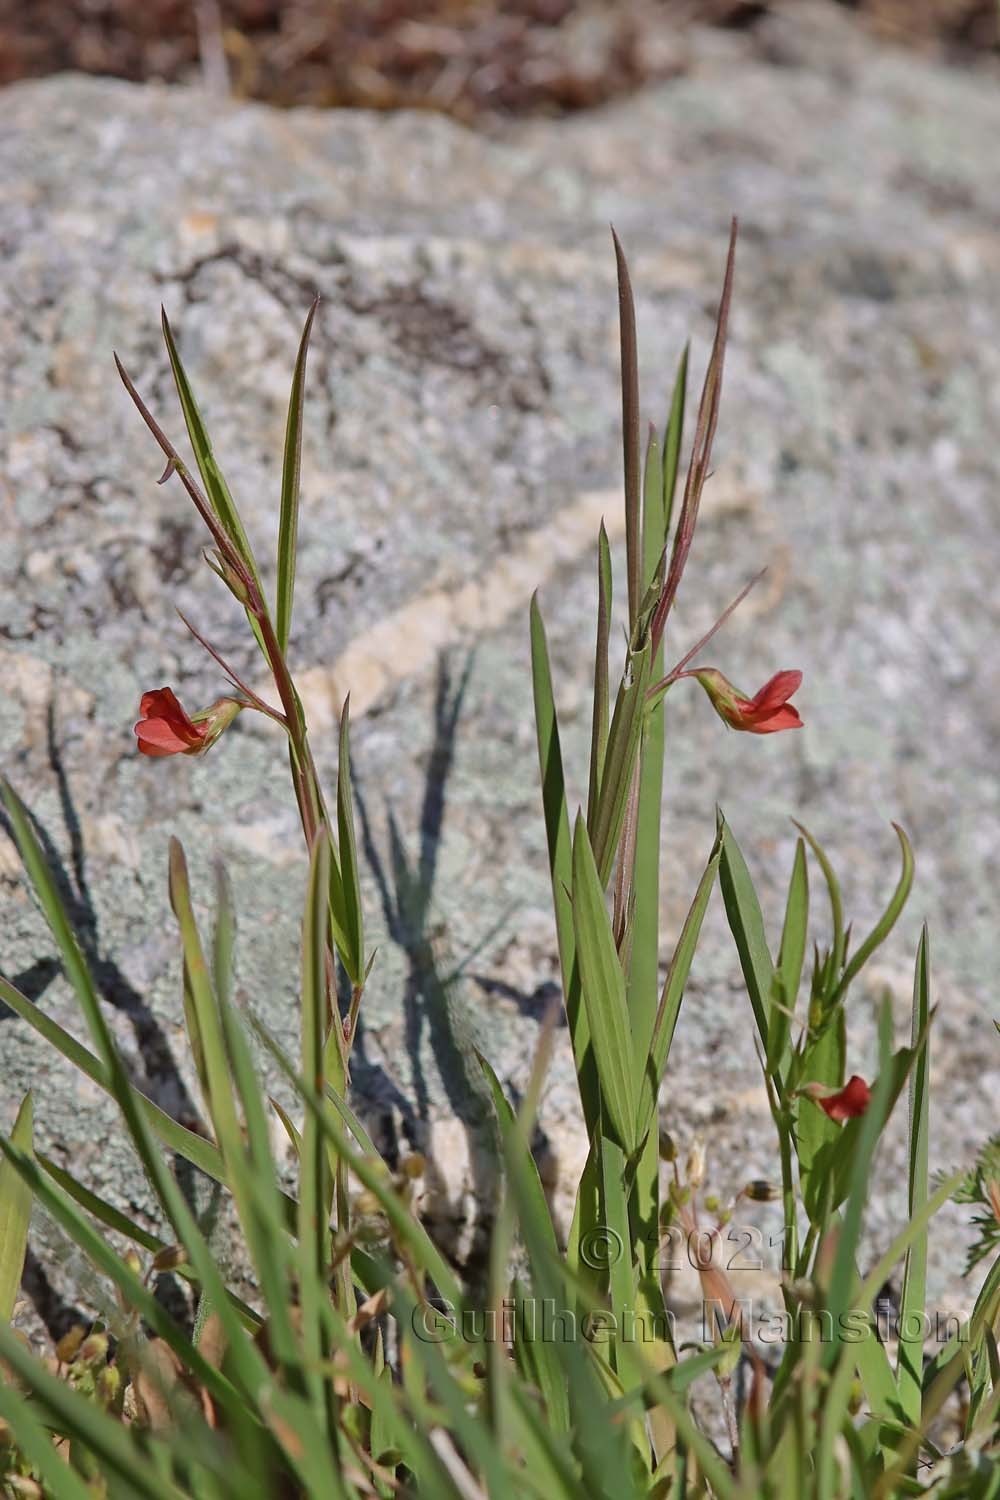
x=624 y=741
x=672 y=439
x=561 y=865
x=604 y=993
x=217 y=489
x=314 y=1166
x=288 y=523
x=532 y=1203
x=747 y=926
x=886 y=922
x=15 y=1212
x=791 y=955
x=654 y=1066
x=350 y=876
x=833 y=888
x=910 y=1365
x=630 y=428
x=133 y=1289
x=599 y=731
x=175 y=1137
x=72 y=1413
x=35 y=1442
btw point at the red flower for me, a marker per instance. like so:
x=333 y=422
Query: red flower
x=166 y=729
x=765 y=713
x=852 y=1100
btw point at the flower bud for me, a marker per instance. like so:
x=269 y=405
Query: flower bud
x=694 y=1170
x=94 y=1348
x=668 y=1151
x=169 y=1258
x=70 y=1342
x=760 y=1191
x=217 y=717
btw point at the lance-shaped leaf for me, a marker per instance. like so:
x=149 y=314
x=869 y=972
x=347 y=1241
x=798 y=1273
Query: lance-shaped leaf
x=630 y=428
x=288 y=524
x=653 y=1067
x=313 y=1157
x=599 y=729
x=747 y=926
x=561 y=863
x=218 y=491
x=672 y=439
x=833 y=890
x=533 y=1205
x=350 y=876
x=910 y=1362
x=886 y=922
x=251 y=1174
x=15 y=1212
x=603 y=994
x=624 y=740
x=791 y=954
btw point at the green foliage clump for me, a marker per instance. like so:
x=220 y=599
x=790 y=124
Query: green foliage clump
x=359 y=1365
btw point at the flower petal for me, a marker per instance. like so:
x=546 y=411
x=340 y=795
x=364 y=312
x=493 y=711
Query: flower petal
x=785 y=717
x=777 y=690
x=852 y=1100
x=165 y=728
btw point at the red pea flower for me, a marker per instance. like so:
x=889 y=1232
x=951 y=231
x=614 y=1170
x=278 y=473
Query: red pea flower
x=165 y=728
x=849 y=1102
x=765 y=713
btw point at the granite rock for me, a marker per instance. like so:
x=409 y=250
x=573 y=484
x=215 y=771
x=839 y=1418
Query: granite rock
x=461 y=445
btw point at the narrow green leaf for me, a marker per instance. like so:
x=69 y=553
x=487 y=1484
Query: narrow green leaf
x=747 y=926
x=886 y=922
x=314 y=1166
x=113 y=1218
x=217 y=489
x=603 y=993
x=68 y=1411
x=176 y=1138
x=856 y=1147
x=100 y=1253
x=653 y=1068
x=15 y=1213
x=367 y=1165
x=224 y=937
x=599 y=731
x=816 y=1135
x=533 y=1204
x=910 y=1362
x=791 y=954
x=833 y=888
x=624 y=740
x=288 y=525
x=621 y=1271
x=35 y=1442
x=653 y=533
x=672 y=437
x=349 y=869
x=220 y=1100
x=251 y=1173
x=291 y=1129
x=99 y=1208
x=630 y=427
x=561 y=865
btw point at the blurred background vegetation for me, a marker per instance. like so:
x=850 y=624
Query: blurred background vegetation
x=468 y=58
